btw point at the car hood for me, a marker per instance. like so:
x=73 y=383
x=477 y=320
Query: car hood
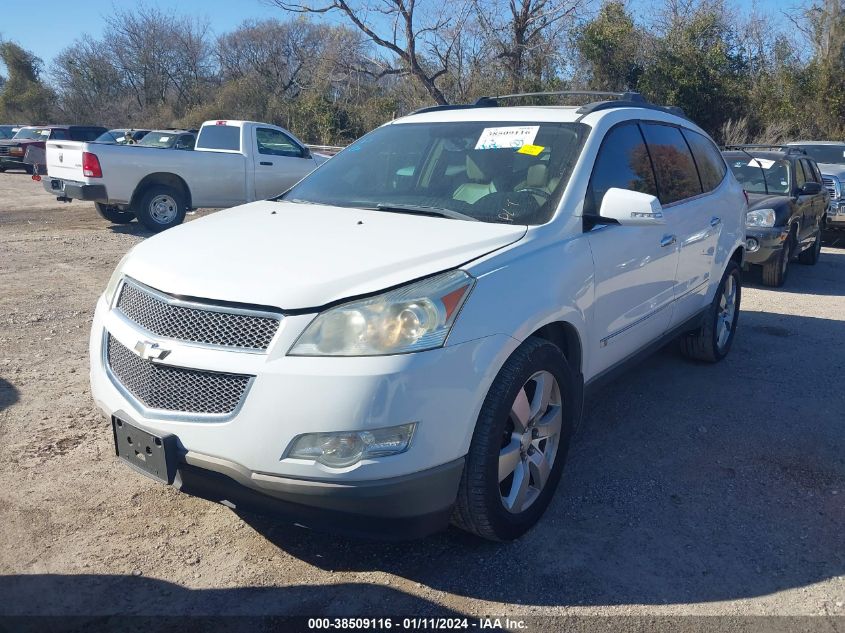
x=765 y=201
x=298 y=256
x=832 y=169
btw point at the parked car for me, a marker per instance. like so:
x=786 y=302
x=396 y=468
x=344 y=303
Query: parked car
x=830 y=156
x=8 y=131
x=405 y=336
x=787 y=207
x=170 y=139
x=12 y=151
x=121 y=136
x=233 y=162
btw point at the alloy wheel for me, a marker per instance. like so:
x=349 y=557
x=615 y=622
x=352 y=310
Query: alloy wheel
x=530 y=442
x=726 y=312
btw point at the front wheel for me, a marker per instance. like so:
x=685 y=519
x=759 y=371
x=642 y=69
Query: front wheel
x=113 y=214
x=161 y=208
x=810 y=257
x=774 y=273
x=713 y=340
x=519 y=445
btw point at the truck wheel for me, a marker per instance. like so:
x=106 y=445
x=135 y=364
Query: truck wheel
x=810 y=257
x=774 y=273
x=113 y=214
x=161 y=208
x=519 y=445
x=713 y=340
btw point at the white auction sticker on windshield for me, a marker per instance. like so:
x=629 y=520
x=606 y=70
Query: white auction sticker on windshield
x=765 y=163
x=507 y=137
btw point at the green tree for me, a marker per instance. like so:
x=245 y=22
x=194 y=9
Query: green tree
x=610 y=46
x=24 y=97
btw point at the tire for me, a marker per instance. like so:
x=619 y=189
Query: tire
x=706 y=344
x=810 y=257
x=774 y=273
x=161 y=208
x=113 y=214
x=481 y=505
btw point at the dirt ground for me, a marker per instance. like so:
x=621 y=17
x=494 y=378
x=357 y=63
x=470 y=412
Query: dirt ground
x=690 y=490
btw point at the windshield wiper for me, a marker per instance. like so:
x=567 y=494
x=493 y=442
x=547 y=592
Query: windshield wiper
x=436 y=212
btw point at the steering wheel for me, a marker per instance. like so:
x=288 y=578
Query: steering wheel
x=535 y=191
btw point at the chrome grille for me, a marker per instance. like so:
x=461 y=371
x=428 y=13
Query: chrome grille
x=196 y=323
x=831 y=186
x=177 y=389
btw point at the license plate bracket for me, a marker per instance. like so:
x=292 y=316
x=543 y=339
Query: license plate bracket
x=152 y=455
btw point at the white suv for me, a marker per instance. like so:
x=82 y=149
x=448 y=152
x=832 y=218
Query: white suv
x=405 y=336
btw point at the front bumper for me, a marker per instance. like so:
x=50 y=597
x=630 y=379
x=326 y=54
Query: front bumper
x=836 y=215
x=75 y=190
x=12 y=162
x=242 y=456
x=770 y=243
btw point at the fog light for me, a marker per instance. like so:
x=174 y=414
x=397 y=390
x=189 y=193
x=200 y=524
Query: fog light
x=751 y=245
x=345 y=448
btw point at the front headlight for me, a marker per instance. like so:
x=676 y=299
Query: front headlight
x=412 y=318
x=114 y=280
x=760 y=217
x=345 y=448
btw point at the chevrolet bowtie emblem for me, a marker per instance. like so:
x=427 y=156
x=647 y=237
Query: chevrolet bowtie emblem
x=150 y=351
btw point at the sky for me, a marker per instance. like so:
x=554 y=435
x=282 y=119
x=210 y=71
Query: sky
x=57 y=23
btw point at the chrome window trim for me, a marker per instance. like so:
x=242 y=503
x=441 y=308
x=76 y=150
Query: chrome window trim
x=194 y=305
x=167 y=414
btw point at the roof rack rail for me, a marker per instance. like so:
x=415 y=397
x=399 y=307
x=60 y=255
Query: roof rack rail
x=625 y=99
x=764 y=146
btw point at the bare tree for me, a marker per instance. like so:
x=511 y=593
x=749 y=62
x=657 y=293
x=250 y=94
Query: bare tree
x=419 y=37
x=525 y=31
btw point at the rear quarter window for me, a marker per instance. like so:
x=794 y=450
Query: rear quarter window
x=708 y=159
x=674 y=167
x=223 y=137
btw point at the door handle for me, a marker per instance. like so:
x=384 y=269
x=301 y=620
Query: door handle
x=714 y=221
x=668 y=240
x=266 y=162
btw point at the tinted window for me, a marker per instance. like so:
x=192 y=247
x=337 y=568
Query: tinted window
x=674 y=167
x=59 y=135
x=816 y=171
x=276 y=143
x=186 y=142
x=711 y=166
x=220 y=137
x=85 y=133
x=623 y=162
x=800 y=178
x=809 y=172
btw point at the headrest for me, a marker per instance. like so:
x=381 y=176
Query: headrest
x=473 y=170
x=536 y=176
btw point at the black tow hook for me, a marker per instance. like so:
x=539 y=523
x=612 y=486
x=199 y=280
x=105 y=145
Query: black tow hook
x=64 y=199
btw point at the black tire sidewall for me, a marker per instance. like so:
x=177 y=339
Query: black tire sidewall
x=496 y=411
x=143 y=214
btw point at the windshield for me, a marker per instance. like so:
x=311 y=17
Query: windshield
x=119 y=137
x=834 y=154
x=507 y=173
x=158 y=139
x=761 y=175
x=33 y=133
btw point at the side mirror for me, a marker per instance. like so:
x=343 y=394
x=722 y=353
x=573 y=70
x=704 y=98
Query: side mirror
x=631 y=208
x=811 y=189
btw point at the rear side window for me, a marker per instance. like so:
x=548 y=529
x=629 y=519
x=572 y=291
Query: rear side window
x=809 y=172
x=623 y=162
x=800 y=178
x=708 y=159
x=677 y=177
x=226 y=137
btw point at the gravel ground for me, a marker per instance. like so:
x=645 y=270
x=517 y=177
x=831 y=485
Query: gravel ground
x=691 y=489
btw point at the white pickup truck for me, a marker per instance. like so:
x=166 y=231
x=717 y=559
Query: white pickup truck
x=233 y=162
